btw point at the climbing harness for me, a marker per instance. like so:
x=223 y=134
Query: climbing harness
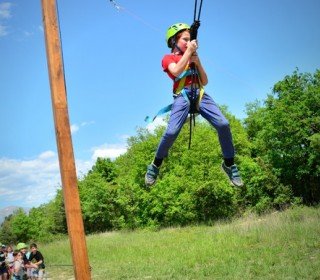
x=193 y=95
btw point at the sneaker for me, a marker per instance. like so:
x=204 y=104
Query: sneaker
x=233 y=174
x=151 y=175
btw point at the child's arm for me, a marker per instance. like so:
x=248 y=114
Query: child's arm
x=177 y=68
x=36 y=265
x=202 y=73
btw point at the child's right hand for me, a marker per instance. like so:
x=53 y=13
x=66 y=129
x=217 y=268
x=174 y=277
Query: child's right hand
x=192 y=46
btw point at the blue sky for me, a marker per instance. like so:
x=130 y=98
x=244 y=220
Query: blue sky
x=112 y=60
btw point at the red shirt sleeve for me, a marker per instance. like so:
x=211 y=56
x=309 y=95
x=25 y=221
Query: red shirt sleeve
x=166 y=61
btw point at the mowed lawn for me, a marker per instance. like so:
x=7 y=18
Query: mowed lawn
x=280 y=245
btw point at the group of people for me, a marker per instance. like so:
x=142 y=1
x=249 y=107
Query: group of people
x=19 y=264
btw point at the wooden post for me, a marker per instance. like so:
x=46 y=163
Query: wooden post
x=64 y=142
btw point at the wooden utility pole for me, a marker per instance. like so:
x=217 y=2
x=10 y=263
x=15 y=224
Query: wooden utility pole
x=64 y=142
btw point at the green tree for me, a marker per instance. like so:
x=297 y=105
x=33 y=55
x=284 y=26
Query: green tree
x=286 y=133
x=20 y=224
x=99 y=201
x=48 y=220
x=191 y=185
x=105 y=167
x=6 y=234
x=42 y=223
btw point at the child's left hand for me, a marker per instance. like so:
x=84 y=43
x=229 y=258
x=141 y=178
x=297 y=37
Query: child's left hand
x=194 y=58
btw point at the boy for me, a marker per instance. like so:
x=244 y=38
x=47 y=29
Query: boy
x=37 y=262
x=187 y=83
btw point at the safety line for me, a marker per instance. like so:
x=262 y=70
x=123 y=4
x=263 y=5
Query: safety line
x=135 y=16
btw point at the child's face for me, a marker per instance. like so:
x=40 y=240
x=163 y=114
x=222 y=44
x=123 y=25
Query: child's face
x=183 y=40
x=33 y=249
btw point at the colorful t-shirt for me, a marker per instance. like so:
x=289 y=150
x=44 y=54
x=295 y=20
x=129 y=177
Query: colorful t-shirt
x=174 y=58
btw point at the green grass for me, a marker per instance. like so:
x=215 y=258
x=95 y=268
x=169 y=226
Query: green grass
x=281 y=245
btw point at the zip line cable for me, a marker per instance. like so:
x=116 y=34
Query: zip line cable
x=121 y=8
x=115 y=5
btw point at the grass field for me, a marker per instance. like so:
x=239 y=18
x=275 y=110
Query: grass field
x=280 y=245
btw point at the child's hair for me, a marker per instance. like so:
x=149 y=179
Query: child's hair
x=15 y=253
x=178 y=36
x=33 y=245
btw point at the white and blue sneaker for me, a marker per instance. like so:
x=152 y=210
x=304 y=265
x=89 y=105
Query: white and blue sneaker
x=233 y=174
x=151 y=175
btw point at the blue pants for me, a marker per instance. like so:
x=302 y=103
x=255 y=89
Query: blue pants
x=210 y=111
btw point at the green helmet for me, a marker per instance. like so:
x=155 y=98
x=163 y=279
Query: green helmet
x=22 y=246
x=173 y=30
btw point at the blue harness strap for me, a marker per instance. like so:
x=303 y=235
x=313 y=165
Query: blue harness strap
x=183 y=74
x=167 y=108
x=163 y=111
x=180 y=90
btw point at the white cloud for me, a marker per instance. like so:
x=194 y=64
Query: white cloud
x=5 y=10
x=27 y=33
x=83 y=166
x=108 y=151
x=29 y=182
x=75 y=127
x=87 y=123
x=3 y=30
x=47 y=154
x=159 y=121
x=5 y=13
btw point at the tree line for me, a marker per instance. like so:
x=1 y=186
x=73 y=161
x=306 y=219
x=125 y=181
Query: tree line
x=278 y=152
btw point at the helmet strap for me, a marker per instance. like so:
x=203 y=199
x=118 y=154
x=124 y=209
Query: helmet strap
x=176 y=47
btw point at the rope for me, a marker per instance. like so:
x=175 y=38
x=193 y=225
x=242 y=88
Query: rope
x=193 y=98
x=195 y=10
x=121 y=8
x=48 y=265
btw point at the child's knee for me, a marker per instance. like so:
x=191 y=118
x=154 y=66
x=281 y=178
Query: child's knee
x=223 y=124
x=172 y=132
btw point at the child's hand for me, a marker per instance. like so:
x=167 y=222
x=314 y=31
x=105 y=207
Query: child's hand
x=194 y=58
x=34 y=266
x=192 y=46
